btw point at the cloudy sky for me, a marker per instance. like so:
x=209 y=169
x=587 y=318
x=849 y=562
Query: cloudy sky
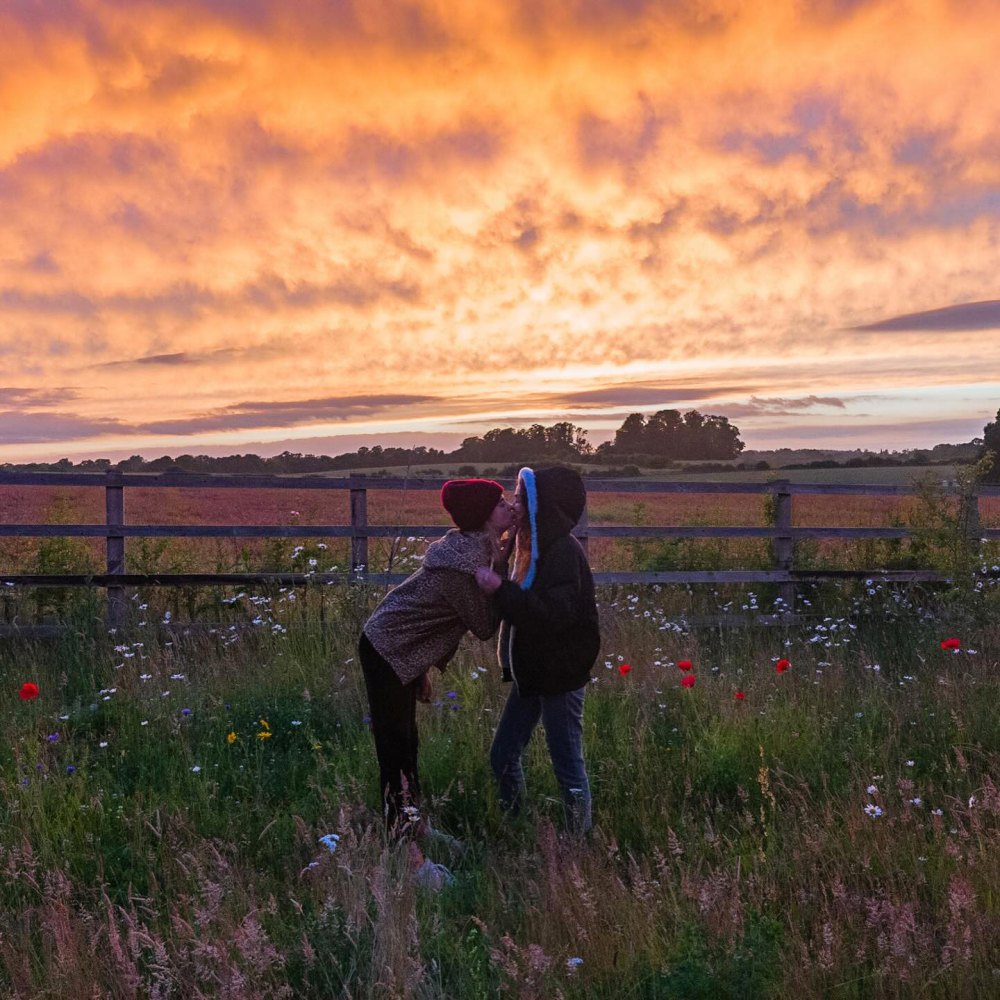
x=245 y=223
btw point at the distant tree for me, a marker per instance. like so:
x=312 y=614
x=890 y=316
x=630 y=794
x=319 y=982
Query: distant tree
x=991 y=448
x=561 y=442
x=668 y=435
x=630 y=438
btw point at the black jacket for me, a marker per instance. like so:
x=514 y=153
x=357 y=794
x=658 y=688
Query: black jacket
x=554 y=622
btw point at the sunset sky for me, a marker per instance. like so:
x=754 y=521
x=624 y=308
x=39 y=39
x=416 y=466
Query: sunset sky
x=251 y=225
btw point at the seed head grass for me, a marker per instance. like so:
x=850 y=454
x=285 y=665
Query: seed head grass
x=194 y=813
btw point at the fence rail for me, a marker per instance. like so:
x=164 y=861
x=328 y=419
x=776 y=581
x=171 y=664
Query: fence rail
x=782 y=533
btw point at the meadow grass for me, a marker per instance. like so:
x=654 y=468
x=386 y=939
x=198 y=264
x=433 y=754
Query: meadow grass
x=834 y=833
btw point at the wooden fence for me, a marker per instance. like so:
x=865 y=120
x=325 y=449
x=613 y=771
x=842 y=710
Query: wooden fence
x=782 y=534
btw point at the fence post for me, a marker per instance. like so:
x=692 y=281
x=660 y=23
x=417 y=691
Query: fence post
x=784 y=546
x=582 y=532
x=971 y=523
x=359 y=525
x=114 y=506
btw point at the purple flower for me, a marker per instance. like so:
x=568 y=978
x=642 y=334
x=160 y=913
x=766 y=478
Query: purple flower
x=70 y=768
x=185 y=711
x=453 y=695
x=53 y=737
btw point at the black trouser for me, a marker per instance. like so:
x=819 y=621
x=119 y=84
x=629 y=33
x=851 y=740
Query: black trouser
x=393 y=709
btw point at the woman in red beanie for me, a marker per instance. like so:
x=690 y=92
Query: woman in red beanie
x=419 y=624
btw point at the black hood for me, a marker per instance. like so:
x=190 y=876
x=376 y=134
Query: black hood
x=561 y=500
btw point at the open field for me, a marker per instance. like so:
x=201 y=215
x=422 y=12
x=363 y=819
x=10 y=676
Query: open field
x=834 y=833
x=26 y=505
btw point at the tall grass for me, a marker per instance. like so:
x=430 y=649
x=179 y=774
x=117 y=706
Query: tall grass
x=834 y=833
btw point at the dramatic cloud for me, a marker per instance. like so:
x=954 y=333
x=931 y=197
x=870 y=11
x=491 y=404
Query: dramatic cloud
x=966 y=316
x=663 y=397
x=40 y=427
x=287 y=414
x=781 y=407
x=476 y=211
x=13 y=396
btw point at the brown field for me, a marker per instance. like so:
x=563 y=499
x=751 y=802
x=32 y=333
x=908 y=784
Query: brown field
x=85 y=505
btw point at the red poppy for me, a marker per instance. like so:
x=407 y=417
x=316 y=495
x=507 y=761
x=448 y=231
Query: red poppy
x=624 y=668
x=782 y=665
x=684 y=665
x=687 y=681
x=739 y=696
x=28 y=691
x=951 y=644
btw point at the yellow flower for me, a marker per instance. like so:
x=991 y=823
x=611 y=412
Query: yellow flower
x=264 y=735
x=264 y=724
x=231 y=738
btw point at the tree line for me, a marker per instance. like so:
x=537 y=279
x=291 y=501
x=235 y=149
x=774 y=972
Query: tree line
x=665 y=436
x=663 y=439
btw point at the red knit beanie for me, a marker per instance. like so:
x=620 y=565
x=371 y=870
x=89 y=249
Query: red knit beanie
x=470 y=501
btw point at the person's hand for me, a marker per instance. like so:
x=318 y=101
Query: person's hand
x=488 y=579
x=424 y=688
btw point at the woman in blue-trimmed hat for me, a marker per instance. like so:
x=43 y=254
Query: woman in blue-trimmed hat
x=549 y=639
x=419 y=624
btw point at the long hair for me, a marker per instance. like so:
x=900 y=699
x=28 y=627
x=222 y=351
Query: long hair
x=522 y=569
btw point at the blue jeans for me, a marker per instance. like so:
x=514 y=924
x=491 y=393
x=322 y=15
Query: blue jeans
x=562 y=718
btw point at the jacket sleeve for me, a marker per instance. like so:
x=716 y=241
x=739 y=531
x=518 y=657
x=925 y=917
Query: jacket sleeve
x=552 y=604
x=476 y=610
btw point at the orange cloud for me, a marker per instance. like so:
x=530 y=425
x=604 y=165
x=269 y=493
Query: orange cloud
x=347 y=197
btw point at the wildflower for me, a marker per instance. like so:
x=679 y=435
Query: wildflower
x=185 y=711
x=573 y=963
x=951 y=644
x=329 y=841
x=264 y=734
x=782 y=665
x=684 y=665
x=873 y=810
x=909 y=763
x=196 y=768
x=231 y=738
x=264 y=724
x=53 y=737
x=29 y=691
x=70 y=768
x=687 y=681
x=624 y=669
x=296 y=722
x=872 y=789
x=739 y=696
